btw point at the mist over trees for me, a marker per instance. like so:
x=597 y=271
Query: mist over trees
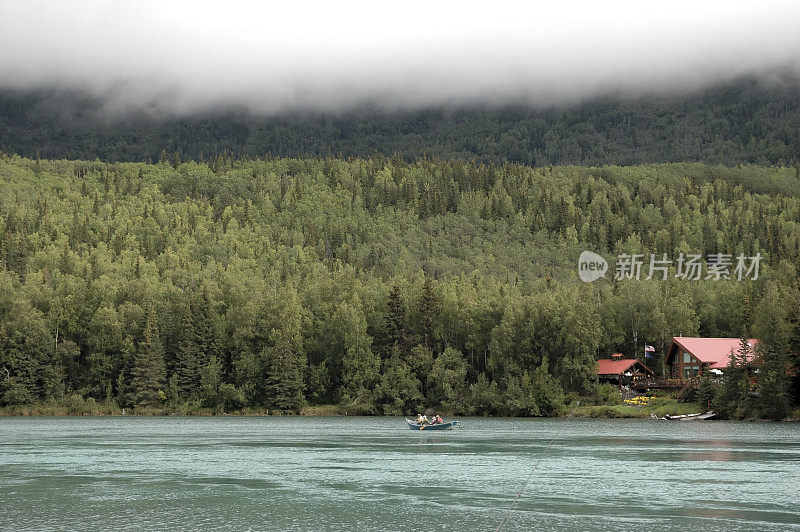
x=748 y=121
x=376 y=284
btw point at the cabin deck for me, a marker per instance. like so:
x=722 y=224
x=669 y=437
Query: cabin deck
x=665 y=384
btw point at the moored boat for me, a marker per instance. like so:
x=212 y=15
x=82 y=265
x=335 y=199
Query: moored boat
x=413 y=425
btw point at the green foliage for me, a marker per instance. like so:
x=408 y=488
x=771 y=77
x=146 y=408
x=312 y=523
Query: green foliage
x=360 y=366
x=484 y=397
x=742 y=121
x=707 y=390
x=400 y=390
x=733 y=399
x=774 y=399
x=395 y=318
x=285 y=359
x=771 y=324
x=447 y=380
x=149 y=373
x=188 y=367
x=210 y=382
x=608 y=394
x=376 y=284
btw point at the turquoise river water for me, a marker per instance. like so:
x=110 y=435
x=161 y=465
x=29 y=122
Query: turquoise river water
x=356 y=473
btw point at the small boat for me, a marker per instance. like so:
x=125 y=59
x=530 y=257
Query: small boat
x=690 y=417
x=447 y=425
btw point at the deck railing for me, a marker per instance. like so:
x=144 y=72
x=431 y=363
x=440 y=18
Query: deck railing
x=666 y=383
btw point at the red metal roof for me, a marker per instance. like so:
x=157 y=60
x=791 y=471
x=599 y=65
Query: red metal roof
x=713 y=351
x=606 y=366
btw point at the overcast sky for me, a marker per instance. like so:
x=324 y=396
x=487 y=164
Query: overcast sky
x=190 y=55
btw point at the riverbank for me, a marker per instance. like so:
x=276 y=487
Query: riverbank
x=93 y=408
x=631 y=411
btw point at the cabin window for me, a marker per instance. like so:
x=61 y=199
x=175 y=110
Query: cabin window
x=687 y=358
x=690 y=371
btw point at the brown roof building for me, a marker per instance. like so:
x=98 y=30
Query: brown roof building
x=620 y=370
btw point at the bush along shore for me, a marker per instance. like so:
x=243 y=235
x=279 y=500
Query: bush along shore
x=377 y=285
x=76 y=406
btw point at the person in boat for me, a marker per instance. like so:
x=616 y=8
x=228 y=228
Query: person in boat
x=420 y=419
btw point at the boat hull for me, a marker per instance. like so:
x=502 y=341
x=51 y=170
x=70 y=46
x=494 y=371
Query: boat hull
x=437 y=426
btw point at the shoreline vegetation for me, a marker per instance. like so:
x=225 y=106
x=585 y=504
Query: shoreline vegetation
x=382 y=286
x=93 y=408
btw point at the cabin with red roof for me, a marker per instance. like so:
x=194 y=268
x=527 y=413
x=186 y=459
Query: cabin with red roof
x=691 y=357
x=618 y=370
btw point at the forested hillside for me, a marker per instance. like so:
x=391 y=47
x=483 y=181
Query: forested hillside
x=743 y=121
x=376 y=284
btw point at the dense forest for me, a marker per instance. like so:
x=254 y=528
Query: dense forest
x=380 y=285
x=744 y=121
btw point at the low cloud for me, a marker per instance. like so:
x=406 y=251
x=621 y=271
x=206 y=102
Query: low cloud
x=184 y=57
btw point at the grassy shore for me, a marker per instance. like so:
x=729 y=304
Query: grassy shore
x=632 y=411
x=92 y=408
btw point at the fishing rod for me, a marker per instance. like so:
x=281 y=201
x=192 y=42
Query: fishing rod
x=530 y=476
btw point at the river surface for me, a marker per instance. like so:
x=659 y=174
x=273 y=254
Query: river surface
x=351 y=473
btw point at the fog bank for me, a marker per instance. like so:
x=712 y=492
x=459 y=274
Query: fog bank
x=183 y=57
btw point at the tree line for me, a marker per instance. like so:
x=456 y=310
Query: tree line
x=748 y=121
x=375 y=284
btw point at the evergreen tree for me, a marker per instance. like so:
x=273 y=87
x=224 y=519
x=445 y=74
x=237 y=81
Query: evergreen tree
x=187 y=360
x=203 y=318
x=360 y=366
x=706 y=391
x=285 y=358
x=733 y=399
x=396 y=318
x=794 y=342
x=771 y=325
x=426 y=312
x=210 y=382
x=774 y=399
x=284 y=380
x=149 y=373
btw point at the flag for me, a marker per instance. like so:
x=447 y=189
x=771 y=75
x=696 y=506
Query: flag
x=649 y=349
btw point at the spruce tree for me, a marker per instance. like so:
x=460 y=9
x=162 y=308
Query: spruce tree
x=285 y=359
x=149 y=373
x=284 y=384
x=427 y=308
x=772 y=325
x=360 y=366
x=187 y=362
x=395 y=318
x=732 y=400
x=774 y=398
x=202 y=316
